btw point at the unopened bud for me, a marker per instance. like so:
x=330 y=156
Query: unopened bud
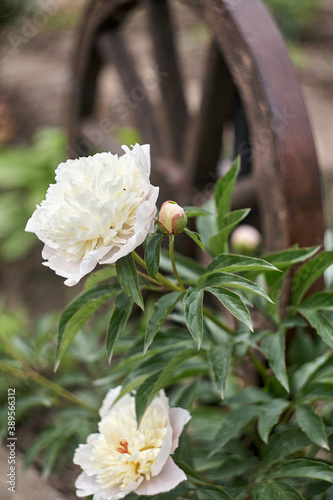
x=172 y=219
x=246 y=240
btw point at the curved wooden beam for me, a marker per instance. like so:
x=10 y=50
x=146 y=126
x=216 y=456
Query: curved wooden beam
x=284 y=157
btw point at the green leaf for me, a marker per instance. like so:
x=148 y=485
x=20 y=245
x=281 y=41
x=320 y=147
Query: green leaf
x=317 y=391
x=304 y=468
x=312 y=425
x=273 y=347
x=233 y=303
x=227 y=222
x=284 y=443
x=188 y=269
x=305 y=372
x=322 y=325
x=308 y=274
x=99 y=276
x=234 y=422
x=219 y=359
x=192 y=474
x=287 y=258
x=153 y=384
x=120 y=316
x=161 y=311
x=193 y=305
x=228 y=280
x=275 y=490
x=195 y=212
x=128 y=279
x=224 y=189
x=207 y=225
x=152 y=255
x=78 y=312
x=195 y=237
x=320 y=301
x=236 y=263
x=270 y=417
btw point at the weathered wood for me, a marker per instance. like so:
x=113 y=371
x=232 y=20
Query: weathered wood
x=112 y=47
x=205 y=136
x=171 y=85
x=284 y=158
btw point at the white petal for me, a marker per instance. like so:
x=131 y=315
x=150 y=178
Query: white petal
x=178 y=418
x=170 y=476
x=86 y=485
x=108 y=401
x=164 y=452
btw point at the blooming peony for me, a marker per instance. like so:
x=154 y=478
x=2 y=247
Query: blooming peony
x=124 y=458
x=100 y=209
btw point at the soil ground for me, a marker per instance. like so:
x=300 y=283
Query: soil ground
x=34 y=88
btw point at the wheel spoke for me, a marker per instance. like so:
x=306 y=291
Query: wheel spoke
x=171 y=86
x=204 y=139
x=113 y=48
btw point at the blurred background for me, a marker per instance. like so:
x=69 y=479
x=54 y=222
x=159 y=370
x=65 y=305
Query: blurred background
x=37 y=39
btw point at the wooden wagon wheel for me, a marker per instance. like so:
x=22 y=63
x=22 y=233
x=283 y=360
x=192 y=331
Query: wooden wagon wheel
x=248 y=81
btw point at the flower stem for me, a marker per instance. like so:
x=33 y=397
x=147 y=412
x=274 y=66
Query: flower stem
x=173 y=261
x=259 y=365
x=162 y=279
x=209 y=314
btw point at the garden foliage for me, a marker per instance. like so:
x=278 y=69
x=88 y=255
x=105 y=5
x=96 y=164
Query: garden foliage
x=242 y=343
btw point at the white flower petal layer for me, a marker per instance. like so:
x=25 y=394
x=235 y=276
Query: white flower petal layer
x=123 y=458
x=101 y=208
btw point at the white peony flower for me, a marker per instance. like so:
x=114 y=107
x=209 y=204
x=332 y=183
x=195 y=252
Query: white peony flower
x=100 y=209
x=124 y=458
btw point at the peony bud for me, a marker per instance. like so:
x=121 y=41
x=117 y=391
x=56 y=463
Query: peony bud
x=246 y=240
x=172 y=219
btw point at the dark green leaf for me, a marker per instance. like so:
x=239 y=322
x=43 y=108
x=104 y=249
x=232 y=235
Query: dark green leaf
x=312 y=425
x=270 y=417
x=188 y=269
x=235 y=263
x=287 y=258
x=233 y=303
x=228 y=280
x=304 y=468
x=234 y=422
x=99 y=276
x=195 y=237
x=152 y=385
x=320 y=323
x=152 y=255
x=224 y=189
x=273 y=347
x=320 y=301
x=207 y=225
x=195 y=212
x=219 y=359
x=162 y=309
x=78 y=312
x=284 y=443
x=303 y=374
x=316 y=391
x=308 y=274
x=120 y=316
x=128 y=279
x=275 y=490
x=218 y=241
x=193 y=305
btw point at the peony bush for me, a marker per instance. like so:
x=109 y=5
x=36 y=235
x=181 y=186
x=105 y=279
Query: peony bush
x=237 y=348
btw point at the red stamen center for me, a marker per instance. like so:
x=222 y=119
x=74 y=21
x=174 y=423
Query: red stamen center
x=123 y=448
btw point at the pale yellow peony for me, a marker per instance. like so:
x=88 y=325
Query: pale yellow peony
x=124 y=458
x=100 y=209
